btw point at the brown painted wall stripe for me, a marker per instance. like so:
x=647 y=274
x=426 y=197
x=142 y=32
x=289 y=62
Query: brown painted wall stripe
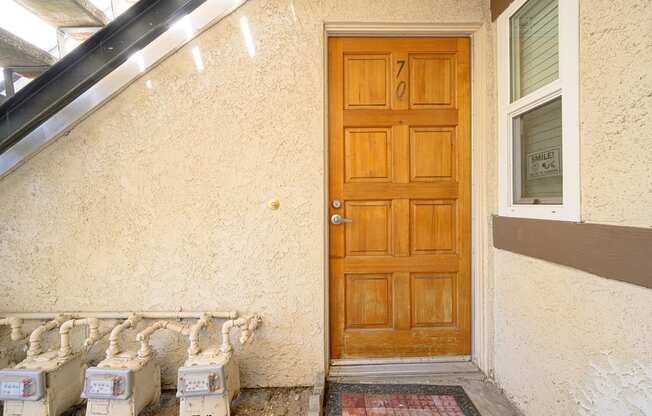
x=499 y=6
x=615 y=252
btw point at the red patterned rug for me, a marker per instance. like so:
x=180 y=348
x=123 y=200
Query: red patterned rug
x=398 y=400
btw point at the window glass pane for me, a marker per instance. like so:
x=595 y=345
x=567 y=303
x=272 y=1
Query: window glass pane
x=534 y=32
x=538 y=155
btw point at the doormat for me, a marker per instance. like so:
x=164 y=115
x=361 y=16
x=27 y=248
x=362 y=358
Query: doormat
x=398 y=400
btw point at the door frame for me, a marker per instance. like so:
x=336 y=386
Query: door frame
x=481 y=133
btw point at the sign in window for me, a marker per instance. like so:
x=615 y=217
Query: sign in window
x=538 y=177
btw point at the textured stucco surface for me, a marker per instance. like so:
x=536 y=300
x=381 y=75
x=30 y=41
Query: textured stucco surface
x=616 y=111
x=568 y=342
x=571 y=343
x=157 y=201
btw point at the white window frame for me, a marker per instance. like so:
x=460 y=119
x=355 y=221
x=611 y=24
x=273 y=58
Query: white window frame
x=567 y=87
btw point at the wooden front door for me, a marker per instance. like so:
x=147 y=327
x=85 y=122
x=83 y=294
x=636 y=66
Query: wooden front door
x=399 y=126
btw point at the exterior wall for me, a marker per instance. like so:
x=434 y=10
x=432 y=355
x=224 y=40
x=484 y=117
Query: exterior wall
x=157 y=201
x=568 y=342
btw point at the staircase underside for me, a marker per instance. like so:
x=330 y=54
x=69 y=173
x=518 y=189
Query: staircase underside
x=15 y=51
x=78 y=71
x=66 y=13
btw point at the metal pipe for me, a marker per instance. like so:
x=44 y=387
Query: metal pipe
x=114 y=339
x=249 y=329
x=145 y=350
x=37 y=334
x=123 y=315
x=226 y=335
x=65 y=349
x=16 y=325
x=203 y=322
x=8 y=76
x=247 y=325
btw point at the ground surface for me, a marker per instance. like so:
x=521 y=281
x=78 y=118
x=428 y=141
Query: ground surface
x=487 y=397
x=258 y=402
x=279 y=401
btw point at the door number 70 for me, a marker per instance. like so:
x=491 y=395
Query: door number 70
x=401 y=87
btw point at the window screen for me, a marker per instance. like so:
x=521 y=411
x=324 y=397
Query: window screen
x=534 y=47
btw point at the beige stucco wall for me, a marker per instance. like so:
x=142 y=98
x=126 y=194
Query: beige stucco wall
x=567 y=342
x=158 y=200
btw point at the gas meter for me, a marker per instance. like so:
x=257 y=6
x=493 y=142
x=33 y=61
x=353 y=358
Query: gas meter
x=208 y=387
x=41 y=386
x=48 y=383
x=122 y=386
x=125 y=382
x=22 y=384
x=210 y=380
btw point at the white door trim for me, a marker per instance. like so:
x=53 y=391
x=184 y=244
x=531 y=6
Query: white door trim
x=481 y=131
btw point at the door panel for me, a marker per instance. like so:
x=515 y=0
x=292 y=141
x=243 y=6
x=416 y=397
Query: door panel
x=432 y=154
x=368 y=300
x=399 y=149
x=433 y=227
x=433 y=300
x=370 y=233
x=368 y=154
x=432 y=80
x=367 y=79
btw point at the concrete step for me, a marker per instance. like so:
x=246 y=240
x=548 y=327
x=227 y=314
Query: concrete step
x=402 y=369
x=15 y=51
x=66 y=13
